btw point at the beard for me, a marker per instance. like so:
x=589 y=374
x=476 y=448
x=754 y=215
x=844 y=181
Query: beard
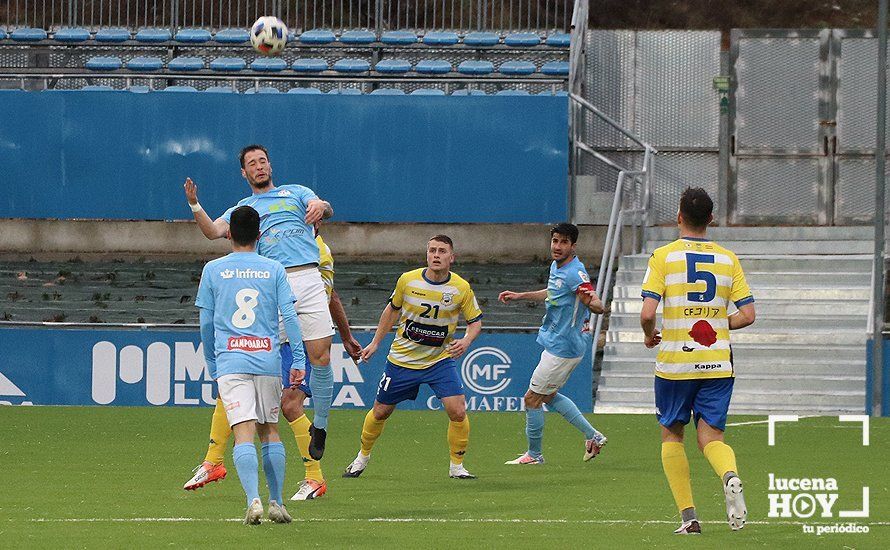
x=263 y=184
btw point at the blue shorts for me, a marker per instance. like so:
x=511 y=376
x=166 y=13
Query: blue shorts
x=707 y=399
x=400 y=384
x=287 y=360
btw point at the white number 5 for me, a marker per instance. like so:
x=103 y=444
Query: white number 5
x=246 y=301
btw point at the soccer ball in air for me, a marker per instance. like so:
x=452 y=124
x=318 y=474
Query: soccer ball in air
x=268 y=35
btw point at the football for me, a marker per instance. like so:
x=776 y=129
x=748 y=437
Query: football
x=268 y=35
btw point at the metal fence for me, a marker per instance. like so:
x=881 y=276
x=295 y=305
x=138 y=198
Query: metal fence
x=299 y=15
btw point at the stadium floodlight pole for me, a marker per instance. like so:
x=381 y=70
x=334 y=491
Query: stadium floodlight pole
x=879 y=404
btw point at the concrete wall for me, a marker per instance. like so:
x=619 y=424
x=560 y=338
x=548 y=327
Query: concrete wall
x=349 y=241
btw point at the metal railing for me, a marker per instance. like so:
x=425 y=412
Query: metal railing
x=630 y=203
x=299 y=15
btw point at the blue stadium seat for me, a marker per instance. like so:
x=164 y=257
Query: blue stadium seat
x=433 y=66
x=228 y=64
x=517 y=68
x=180 y=64
x=427 y=91
x=305 y=91
x=268 y=64
x=193 y=36
x=392 y=66
x=97 y=88
x=153 y=35
x=104 y=63
x=145 y=64
x=465 y=91
x=71 y=35
x=310 y=65
x=398 y=38
x=231 y=36
x=139 y=89
x=556 y=68
x=358 y=37
x=345 y=91
x=388 y=91
x=220 y=90
x=522 y=39
x=263 y=90
x=559 y=40
x=475 y=67
x=179 y=89
x=2 y=34
x=317 y=36
x=481 y=39
x=112 y=35
x=441 y=38
x=512 y=92
x=352 y=66
x=28 y=34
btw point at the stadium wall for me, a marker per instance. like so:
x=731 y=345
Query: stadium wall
x=115 y=155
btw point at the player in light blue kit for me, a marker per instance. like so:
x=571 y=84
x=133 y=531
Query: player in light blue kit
x=569 y=296
x=287 y=234
x=240 y=297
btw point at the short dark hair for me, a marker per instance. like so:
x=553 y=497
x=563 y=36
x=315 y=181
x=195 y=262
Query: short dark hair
x=567 y=230
x=249 y=148
x=696 y=207
x=244 y=225
x=442 y=239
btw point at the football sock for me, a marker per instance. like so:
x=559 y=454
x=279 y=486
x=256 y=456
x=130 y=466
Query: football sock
x=246 y=463
x=458 y=439
x=371 y=430
x=688 y=514
x=676 y=469
x=567 y=408
x=300 y=427
x=534 y=430
x=322 y=385
x=273 y=467
x=219 y=434
x=721 y=457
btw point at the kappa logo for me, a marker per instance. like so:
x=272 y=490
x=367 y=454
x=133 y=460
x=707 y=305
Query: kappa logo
x=486 y=370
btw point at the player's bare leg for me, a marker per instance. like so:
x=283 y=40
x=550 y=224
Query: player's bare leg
x=322 y=385
x=458 y=435
x=372 y=427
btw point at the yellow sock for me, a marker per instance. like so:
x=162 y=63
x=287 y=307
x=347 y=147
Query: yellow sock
x=458 y=439
x=371 y=430
x=300 y=427
x=676 y=468
x=721 y=457
x=219 y=434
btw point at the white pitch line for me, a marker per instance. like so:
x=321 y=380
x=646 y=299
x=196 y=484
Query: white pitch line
x=436 y=520
x=752 y=422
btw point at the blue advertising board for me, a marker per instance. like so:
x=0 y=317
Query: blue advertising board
x=164 y=367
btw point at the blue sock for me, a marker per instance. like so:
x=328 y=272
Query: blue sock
x=567 y=408
x=534 y=430
x=273 y=467
x=246 y=463
x=322 y=385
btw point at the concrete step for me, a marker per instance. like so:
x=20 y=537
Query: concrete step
x=746 y=381
x=760 y=233
x=804 y=293
x=847 y=263
x=765 y=308
x=765 y=323
x=744 y=365
x=781 y=246
x=758 y=279
x=753 y=351
x=834 y=337
x=799 y=400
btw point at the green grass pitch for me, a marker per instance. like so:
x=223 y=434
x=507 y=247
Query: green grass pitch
x=112 y=477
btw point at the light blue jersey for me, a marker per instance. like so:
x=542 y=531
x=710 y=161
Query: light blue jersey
x=284 y=234
x=561 y=331
x=240 y=296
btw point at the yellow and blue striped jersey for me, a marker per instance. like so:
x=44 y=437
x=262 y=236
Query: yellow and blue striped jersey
x=697 y=279
x=325 y=265
x=428 y=320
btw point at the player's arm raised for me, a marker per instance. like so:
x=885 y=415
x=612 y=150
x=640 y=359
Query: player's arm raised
x=353 y=348
x=387 y=319
x=210 y=228
x=534 y=296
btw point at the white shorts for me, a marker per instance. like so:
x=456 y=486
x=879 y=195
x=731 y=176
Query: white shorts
x=311 y=305
x=552 y=373
x=250 y=397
